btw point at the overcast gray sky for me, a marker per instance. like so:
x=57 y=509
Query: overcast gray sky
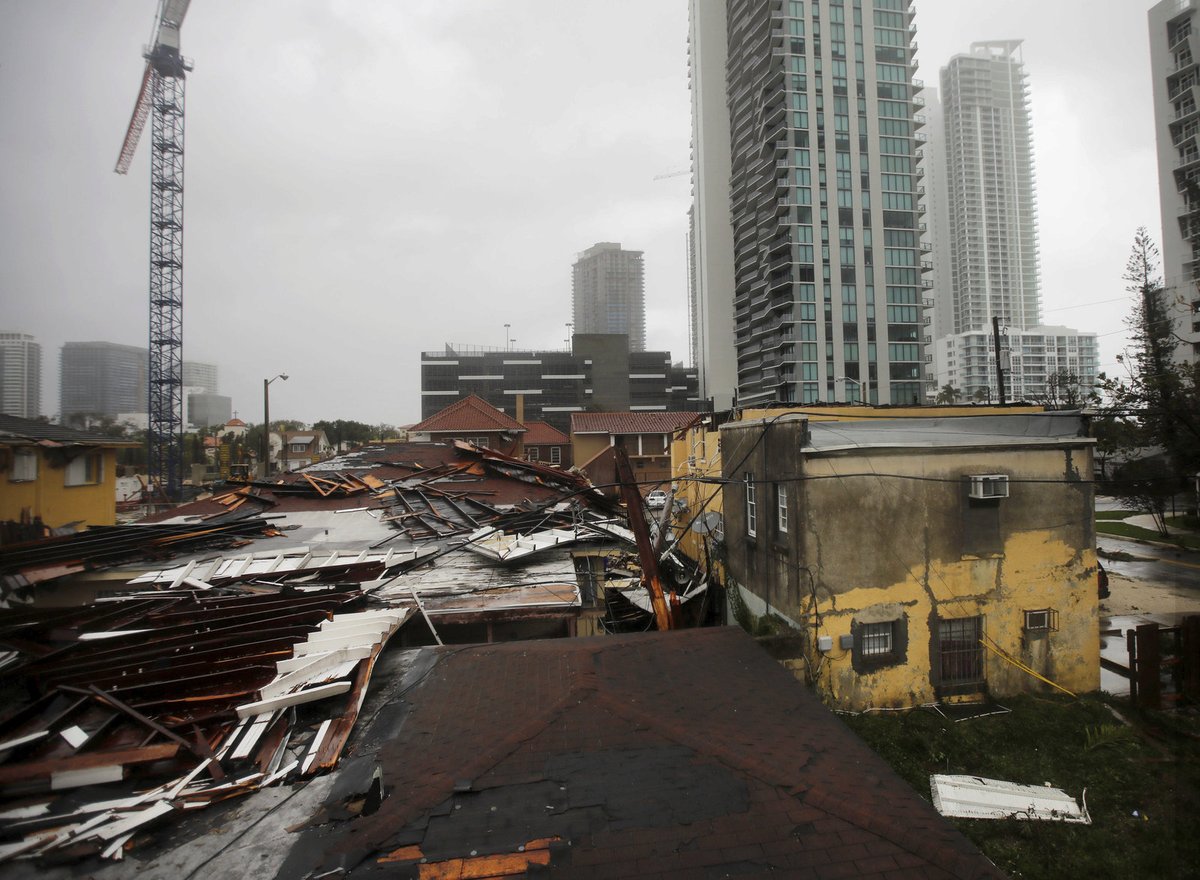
x=368 y=180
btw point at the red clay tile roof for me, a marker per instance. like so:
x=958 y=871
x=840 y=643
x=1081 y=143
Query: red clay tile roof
x=682 y=754
x=544 y=434
x=630 y=422
x=472 y=413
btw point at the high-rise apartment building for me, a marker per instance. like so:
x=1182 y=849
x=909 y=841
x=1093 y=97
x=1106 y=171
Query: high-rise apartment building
x=984 y=230
x=102 y=379
x=20 y=375
x=825 y=199
x=989 y=185
x=198 y=375
x=1174 y=51
x=710 y=233
x=1050 y=365
x=608 y=293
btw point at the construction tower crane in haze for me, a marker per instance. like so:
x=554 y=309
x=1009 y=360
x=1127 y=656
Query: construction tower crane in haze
x=161 y=97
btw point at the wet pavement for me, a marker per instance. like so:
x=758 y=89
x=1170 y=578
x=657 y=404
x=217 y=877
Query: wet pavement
x=1164 y=565
x=1114 y=648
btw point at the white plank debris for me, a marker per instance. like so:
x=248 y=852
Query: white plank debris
x=274 y=564
x=504 y=547
x=329 y=663
x=974 y=797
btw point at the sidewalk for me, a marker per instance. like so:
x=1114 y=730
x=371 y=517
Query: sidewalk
x=1146 y=521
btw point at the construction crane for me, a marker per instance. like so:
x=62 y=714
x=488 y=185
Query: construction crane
x=161 y=98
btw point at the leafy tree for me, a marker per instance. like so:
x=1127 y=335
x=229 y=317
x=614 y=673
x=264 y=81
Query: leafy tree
x=346 y=431
x=1147 y=484
x=1065 y=390
x=949 y=394
x=1158 y=397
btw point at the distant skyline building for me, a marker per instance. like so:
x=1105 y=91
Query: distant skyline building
x=1041 y=364
x=107 y=379
x=824 y=194
x=1174 y=50
x=988 y=161
x=983 y=227
x=608 y=293
x=198 y=375
x=102 y=379
x=599 y=374
x=20 y=375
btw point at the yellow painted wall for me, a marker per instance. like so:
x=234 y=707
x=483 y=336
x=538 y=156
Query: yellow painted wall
x=1052 y=566
x=585 y=447
x=696 y=455
x=56 y=503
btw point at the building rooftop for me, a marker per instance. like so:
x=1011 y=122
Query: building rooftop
x=631 y=422
x=571 y=757
x=471 y=413
x=544 y=434
x=974 y=431
x=17 y=431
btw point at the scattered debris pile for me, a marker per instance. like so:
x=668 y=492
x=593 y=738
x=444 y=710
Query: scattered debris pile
x=143 y=708
x=33 y=562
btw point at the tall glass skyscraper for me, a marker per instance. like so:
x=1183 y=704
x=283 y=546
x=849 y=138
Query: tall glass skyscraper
x=993 y=209
x=825 y=198
x=1175 y=68
x=20 y=375
x=609 y=293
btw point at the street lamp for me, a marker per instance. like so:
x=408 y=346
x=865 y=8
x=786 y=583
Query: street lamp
x=569 y=325
x=507 y=343
x=266 y=441
x=864 y=390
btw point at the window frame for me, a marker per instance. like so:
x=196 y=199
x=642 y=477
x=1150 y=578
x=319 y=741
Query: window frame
x=92 y=464
x=872 y=635
x=781 y=508
x=751 y=506
x=22 y=475
x=555 y=455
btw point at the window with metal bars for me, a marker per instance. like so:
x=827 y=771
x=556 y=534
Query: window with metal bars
x=960 y=651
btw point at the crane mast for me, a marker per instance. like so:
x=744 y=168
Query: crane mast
x=161 y=98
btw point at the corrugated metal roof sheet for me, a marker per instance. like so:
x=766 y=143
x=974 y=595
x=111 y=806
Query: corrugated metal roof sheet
x=948 y=432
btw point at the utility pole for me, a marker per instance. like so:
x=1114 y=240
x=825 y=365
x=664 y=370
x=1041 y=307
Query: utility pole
x=999 y=369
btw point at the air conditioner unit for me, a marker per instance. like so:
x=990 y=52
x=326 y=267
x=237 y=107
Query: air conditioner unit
x=989 y=486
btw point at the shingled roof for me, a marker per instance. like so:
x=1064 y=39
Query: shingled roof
x=18 y=431
x=630 y=422
x=471 y=413
x=681 y=754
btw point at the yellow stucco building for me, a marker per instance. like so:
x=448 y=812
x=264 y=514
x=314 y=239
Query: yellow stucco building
x=57 y=475
x=918 y=559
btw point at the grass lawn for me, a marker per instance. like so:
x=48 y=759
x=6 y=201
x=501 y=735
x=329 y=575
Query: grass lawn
x=1124 y=530
x=1152 y=767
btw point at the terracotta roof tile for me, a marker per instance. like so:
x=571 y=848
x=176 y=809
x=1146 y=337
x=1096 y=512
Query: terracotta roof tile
x=630 y=422
x=544 y=434
x=471 y=413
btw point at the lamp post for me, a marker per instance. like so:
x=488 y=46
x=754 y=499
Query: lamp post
x=507 y=343
x=570 y=324
x=266 y=441
x=864 y=390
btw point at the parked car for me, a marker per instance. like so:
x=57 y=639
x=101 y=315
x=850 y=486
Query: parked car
x=656 y=499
